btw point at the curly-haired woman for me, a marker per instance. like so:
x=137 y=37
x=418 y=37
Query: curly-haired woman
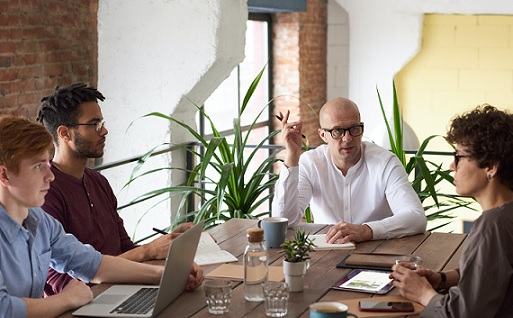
x=482 y=286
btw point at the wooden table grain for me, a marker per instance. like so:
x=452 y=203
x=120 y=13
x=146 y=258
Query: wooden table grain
x=438 y=251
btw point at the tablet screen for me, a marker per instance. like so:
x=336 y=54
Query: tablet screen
x=367 y=281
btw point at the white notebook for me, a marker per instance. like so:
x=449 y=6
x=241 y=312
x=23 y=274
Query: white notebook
x=209 y=252
x=320 y=242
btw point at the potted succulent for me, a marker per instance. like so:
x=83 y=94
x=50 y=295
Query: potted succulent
x=296 y=259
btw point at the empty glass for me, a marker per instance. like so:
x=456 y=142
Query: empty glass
x=218 y=294
x=276 y=298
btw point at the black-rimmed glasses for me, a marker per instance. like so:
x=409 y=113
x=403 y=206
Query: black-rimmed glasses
x=338 y=133
x=97 y=125
x=458 y=157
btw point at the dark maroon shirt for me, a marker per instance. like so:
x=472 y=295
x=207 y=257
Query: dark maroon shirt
x=87 y=208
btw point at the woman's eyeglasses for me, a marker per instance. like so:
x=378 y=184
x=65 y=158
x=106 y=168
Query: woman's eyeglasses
x=458 y=157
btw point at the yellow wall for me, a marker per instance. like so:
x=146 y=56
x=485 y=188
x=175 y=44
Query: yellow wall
x=464 y=61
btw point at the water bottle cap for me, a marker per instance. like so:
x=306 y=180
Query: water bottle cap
x=255 y=235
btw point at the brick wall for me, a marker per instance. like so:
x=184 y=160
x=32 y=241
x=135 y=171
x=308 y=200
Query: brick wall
x=44 y=44
x=299 y=67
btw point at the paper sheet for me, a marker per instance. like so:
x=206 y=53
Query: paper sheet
x=320 y=242
x=236 y=272
x=210 y=253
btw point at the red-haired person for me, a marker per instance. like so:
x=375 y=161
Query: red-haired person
x=31 y=240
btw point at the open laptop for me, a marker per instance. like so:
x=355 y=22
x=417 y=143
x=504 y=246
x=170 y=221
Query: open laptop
x=116 y=300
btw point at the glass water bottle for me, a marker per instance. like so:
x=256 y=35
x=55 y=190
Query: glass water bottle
x=255 y=265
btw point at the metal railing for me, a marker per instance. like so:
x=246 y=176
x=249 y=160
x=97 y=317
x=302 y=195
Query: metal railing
x=224 y=133
x=128 y=160
x=190 y=158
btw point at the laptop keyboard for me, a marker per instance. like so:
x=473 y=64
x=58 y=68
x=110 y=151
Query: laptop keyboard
x=139 y=303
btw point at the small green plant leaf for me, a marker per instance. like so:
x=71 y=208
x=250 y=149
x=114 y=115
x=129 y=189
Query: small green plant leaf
x=298 y=249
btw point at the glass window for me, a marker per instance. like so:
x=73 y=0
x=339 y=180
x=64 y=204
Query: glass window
x=224 y=104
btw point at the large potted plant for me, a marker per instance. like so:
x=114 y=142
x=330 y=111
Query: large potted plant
x=426 y=175
x=296 y=259
x=237 y=192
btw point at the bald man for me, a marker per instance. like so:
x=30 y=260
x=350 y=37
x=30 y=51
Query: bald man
x=358 y=186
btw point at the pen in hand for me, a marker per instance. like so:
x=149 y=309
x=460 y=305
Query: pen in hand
x=160 y=231
x=280 y=119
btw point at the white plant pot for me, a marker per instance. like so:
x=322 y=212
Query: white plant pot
x=295 y=274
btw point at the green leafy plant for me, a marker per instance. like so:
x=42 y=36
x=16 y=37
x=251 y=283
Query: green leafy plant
x=427 y=176
x=237 y=192
x=297 y=249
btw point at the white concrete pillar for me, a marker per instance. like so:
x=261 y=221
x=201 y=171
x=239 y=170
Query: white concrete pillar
x=151 y=55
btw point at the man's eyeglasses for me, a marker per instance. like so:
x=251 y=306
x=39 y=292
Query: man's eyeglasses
x=458 y=157
x=338 y=133
x=97 y=125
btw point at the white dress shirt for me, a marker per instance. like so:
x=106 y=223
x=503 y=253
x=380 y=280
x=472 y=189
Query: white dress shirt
x=376 y=191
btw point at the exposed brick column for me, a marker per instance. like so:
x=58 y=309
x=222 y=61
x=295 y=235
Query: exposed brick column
x=299 y=55
x=44 y=44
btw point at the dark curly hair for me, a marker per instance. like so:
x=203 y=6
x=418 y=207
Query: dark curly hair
x=61 y=108
x=487 y=133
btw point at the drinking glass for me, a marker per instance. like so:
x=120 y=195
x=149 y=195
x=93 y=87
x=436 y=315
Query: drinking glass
x=218 y=294
x=414 y=261
x=276 y=298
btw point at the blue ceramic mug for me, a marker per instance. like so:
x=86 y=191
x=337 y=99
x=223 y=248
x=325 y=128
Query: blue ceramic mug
x=329 y=309
x=275 y=230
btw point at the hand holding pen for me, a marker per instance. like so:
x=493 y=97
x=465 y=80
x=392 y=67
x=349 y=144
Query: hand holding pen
x=182 y=228
x=291 y=132
x=179 y=229
x=280 y=118
x=159 y=231
x=172 y=235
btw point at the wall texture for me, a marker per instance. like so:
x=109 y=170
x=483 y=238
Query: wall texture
x=384 y=36
x=300 y=65
x=44 y=44
x=143 y=56
x=160 y=56
x=337 y=51
x=464 y=60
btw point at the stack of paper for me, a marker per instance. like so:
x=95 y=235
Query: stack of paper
x=320 y=243
x=210 y=253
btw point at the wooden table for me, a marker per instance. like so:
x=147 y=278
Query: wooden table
x=438 y=251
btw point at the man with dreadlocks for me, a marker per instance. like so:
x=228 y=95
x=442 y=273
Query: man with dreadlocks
x=81 y=198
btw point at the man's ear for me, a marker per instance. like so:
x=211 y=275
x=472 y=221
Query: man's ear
x=4 y=179
x=64 y=133
x=322 y=134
